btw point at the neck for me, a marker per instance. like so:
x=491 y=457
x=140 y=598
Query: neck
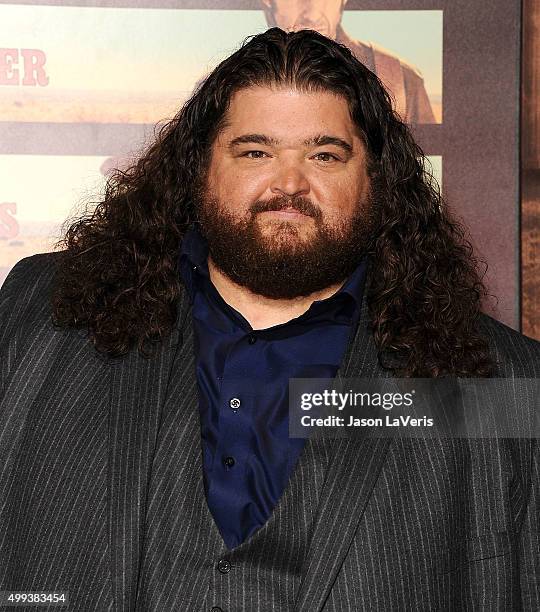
x=260 y=311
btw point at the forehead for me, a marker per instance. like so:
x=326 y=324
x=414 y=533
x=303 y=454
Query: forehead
x=288 y=114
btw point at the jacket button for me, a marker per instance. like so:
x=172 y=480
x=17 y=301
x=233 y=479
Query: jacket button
x=228 y=462
x=224 y=566
x=216 y=609
x=252 y=338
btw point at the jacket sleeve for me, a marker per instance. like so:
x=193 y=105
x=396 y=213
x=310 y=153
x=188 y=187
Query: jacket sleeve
x=529 y=541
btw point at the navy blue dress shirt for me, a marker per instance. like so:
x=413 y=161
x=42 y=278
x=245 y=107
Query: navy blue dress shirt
x=243 y=378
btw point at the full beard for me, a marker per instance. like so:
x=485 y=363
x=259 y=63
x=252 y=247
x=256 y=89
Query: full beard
x=278 y=262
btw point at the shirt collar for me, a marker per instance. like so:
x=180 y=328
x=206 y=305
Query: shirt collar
x=194 y=248
x=193 y=259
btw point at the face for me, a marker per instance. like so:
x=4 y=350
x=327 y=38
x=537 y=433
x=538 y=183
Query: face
x=285 y=205
x=290 y=15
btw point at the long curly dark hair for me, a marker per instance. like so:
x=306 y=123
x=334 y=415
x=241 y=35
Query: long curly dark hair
x=119 y=278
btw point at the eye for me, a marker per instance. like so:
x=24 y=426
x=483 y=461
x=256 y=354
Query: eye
x=327 y=155
x=254 y=154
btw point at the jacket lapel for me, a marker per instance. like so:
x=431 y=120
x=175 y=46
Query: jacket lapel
x=353 y=471
x=138 y=388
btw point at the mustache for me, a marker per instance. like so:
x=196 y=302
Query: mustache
x=302 y=205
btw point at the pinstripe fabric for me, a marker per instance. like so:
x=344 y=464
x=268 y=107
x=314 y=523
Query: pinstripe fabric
x=137 y=393
x=90 y=449
x=53 y=449
x=181 y=540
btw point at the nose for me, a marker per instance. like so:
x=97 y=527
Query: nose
x=290 y=181
x=311 y=13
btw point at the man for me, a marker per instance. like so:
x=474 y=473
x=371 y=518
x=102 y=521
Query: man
x=281 y=226
x=402 y=79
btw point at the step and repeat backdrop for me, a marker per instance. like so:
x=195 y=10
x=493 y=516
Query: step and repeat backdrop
x=83 y=85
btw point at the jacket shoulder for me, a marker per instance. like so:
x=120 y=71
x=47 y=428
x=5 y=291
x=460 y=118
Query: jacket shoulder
x=364 y=50
x=25 y=293
x=406 y=67
x=517 y=354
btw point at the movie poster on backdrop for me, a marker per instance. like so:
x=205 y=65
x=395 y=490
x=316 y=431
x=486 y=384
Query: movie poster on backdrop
x=84 y=84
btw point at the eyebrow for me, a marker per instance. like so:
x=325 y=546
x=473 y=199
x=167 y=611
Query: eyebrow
x=315 y=141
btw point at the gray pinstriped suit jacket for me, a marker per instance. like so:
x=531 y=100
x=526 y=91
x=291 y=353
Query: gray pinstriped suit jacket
x=399 y=525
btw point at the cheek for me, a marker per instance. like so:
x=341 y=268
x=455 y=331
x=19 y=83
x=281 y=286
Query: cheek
x=336 y=16
x=339 y=195
x=239 y=188
x=245 y=185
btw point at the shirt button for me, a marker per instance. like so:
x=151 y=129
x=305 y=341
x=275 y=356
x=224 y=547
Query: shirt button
x=252 y=338
x=234 y=403
x=228 y=462
x=224 y=566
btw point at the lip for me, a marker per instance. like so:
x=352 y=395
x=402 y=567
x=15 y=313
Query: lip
x=318 y=27
x=286 y=213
